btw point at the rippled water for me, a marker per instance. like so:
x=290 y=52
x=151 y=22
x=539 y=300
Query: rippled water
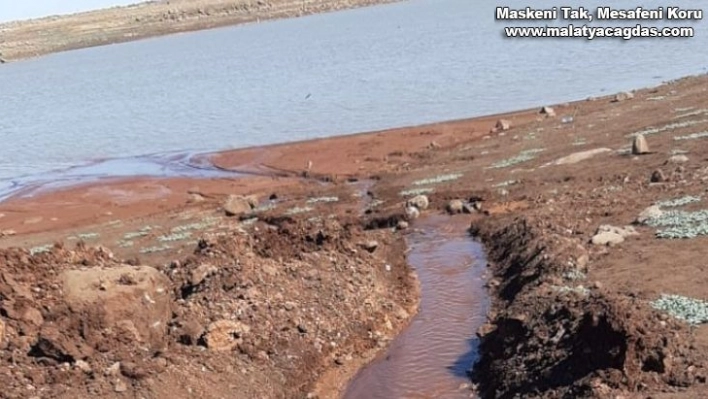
x=430 y=359
x=371 y=68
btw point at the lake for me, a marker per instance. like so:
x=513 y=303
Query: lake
x=358 y=70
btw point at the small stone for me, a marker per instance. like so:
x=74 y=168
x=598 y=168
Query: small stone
x=225 y=335
x=198 y=275
x=7 y=233
x=2 y=333
x=419 y=201
x=195 y=198
x=236 y=204
x=678 y=159
x=289 y=305
x=652 y=212
x=607 y=238
x=548 y=111
x=301 y=328
x=402 y=225
x=502 y=125
x=412 y=212
x=657 y=176
x=623 y=96
x=112 y=370
x=370 y=245
x=83 y=366
x=640 y=145
x=485 y=330
x=455 y=206
x=120 y=386
x=597 y=285
x=433 y=145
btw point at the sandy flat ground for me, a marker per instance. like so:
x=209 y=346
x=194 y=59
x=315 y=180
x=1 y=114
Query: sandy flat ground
x=37 y=37
x=573 y=317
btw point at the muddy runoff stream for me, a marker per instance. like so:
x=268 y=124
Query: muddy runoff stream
x=432 y=356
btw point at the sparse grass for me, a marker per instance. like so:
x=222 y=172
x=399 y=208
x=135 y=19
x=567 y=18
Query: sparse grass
x=136 y=234
x=681 y=224
x=506 y=183
x=676 y=202
x=297 y=210
x=690 y=310
x=322 y=199
x=41 y=249
x=87 y=236
x=416 y=191
x=656 y=98
x=154 y=249
x=692 y=113
x=574 y=275
x=580 y=290
x=524 y=156
x=692 y=136
x=204 y=224
x=175 y=236
x=678 y=152
x=126 y=244
x=249 y=221
x=264 y=208
x=672 y=126
x=437 y=179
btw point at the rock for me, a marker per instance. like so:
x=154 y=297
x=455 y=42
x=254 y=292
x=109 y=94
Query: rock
x=468 y=208
x=579 y=156
x=678 y=159
x=412 y=213
x=7 y=233
x=485 y=330
x=236 y=204
x=657 y=176
x=623 y=96
x=225 y=335
x=190 y=331
x=607 y=238
x=133 y=371
x=2 y=333
x=652 y=212
x=132 y=300
x=289 y=305
x=419 y=201
x=252 y=200
x=112 y=370
x=502 y=125
x=198 y=275
x=83 y=366
x=640 y=145
x=455 y=206
x=195 y=198
x=402 y=225
x=548 y=111
x=120 y=386
x=370 y=245
x=433 y=145
x=625 y=231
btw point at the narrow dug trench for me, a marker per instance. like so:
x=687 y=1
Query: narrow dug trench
x=431 y=358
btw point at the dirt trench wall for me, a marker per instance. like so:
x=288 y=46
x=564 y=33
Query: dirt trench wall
x=550 y=336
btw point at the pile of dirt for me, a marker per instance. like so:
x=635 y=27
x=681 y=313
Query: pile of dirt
x=549 y=337
x=260 y=314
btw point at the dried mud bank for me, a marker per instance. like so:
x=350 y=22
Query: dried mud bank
x=32 y=38
x=264 y=313
x=550 y=337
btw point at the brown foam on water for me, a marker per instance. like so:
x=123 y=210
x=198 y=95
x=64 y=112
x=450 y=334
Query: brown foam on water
x=431 y=358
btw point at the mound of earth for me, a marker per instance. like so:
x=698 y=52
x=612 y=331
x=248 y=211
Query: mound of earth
x=550 y=338
x=261 y=314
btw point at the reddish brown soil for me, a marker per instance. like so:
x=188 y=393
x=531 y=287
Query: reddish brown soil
x=540 y=341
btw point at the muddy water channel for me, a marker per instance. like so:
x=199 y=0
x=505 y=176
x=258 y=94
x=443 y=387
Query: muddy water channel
x=430 y=359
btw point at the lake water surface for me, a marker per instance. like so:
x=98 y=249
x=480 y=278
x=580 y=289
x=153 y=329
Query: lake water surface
x=371 y=68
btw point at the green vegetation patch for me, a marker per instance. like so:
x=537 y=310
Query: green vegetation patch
x=690 y=310
x=437 y=179
x=523 y=156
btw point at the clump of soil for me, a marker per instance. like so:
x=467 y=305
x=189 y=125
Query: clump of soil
x=261 y=314
x=552 y=338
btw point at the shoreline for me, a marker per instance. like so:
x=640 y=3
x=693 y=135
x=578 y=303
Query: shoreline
x=545 y=187
x=37 y=37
